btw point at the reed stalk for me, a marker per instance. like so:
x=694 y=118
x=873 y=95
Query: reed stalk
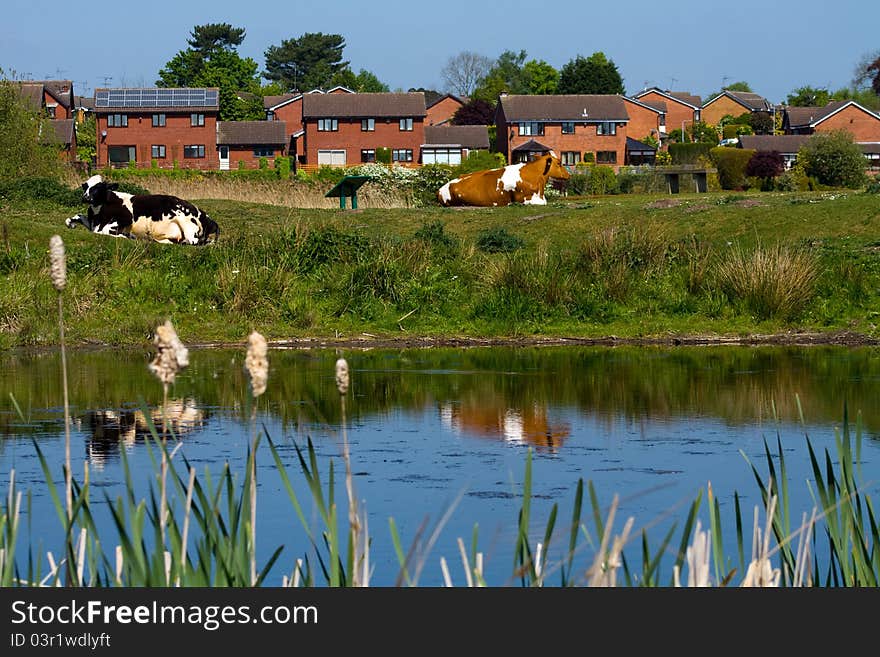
x=257 y=365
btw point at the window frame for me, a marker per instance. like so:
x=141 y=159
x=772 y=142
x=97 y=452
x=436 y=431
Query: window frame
x=264 y=151
x=408 y=155
x=196 y=120
x=158 y=152
x=531 y=129
x=366 y=157
x=117 y=120
x=611 y=160
x=200 y=152
x=570 y=155
x=159 y=120
x=603 y=125
x=323 y=123
x=368 y=125
x=567 y=124
x=406 y=124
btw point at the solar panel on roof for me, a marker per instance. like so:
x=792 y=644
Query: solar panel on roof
x=157 y=98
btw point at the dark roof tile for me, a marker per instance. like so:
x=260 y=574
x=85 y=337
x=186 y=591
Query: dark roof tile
x=575 y=107
x=243 y=133
x=367 y=105
x=467 y=136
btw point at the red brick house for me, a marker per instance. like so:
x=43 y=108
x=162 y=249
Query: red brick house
x=862 y=123
x=54 y=99
x=645 y=118
x=441 y=110
x=680 y=107
x=242 y=144
x=176 y=125
x=347 y=128
x=733 y=103
x=451 y=144
x=288 y=108
x=577 y=127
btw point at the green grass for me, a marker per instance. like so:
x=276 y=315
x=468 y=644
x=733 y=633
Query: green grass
x=396 y=273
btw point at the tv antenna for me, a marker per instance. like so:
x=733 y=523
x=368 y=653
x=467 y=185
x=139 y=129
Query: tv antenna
x=672 y=82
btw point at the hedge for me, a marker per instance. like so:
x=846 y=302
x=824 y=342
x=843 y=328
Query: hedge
x=731 y=164
x=690 y=153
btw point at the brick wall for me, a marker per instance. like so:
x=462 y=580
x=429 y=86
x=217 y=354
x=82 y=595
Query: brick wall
x=246 y=154
x=583 y=140
x=352 y=139
x=442 y=111
x=675 y=112
x=176 y=134
x=642 y=121
x=862 y=126
x=719 y=108
x=292 y=115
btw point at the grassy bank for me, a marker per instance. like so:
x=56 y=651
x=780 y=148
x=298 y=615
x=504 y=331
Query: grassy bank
x=628 y=266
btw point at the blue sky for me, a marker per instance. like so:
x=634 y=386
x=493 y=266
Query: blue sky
x=686 y=45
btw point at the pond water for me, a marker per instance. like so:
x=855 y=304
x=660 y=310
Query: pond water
x=432 y=428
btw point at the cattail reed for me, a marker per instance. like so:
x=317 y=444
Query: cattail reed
x=257 y=364
x=58 y=275
x=171 y=357
x=342 y=384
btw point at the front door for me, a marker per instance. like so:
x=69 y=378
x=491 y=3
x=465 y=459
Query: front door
x=224 y=158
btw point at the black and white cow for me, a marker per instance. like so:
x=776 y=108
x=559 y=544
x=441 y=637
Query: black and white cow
x=162 y=218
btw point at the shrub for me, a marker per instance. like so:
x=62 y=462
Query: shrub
x=603 y=180
x=383 y=155
x=793 y=180
x=498 y=240
x=731 y=164
x=771 y=281
x=765 y=165
x=874 y=186
x=22 y=150
x=833 y=159
x=40 y=189
x=282 y=166
x=578 y=183
x=732 y=130
x=434 y=233
x=480 y=160
x=689 y=153
x=131 y=188
x=264 y=163
x=427 y=180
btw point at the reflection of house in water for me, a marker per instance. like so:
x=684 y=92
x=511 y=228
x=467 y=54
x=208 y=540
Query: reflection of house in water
x=529 y=425
x=110 y=429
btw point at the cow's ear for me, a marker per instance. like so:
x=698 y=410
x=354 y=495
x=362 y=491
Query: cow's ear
x=112 y=186
x=548 y=164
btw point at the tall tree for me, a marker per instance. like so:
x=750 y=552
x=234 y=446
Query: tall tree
x=736 y=86
x=212 y=61
x=430 y=94
x=363 y=82
x=306 y=63
x=867 y=72
x=541 y=78
x=594 y=75
x=506 y=74
x=464 y=71
x=808 y=97
x=474 y=112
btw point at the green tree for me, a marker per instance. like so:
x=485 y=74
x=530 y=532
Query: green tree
x=834 y=159
x=506 y=74
x=22 y=152
x=593 y=75
x=736 y=86
x=87 y=138
x=864 y=97
x=808 y=97
x=306 y=63
x=541 y=78
x=212 y=61
x=363 y=82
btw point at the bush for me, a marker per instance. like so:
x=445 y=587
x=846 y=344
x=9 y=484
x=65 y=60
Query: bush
x=481 y=160
x=603 y=180
x=731 y=164
x=765 y=165
x=690 y=153
x=874 y=186
x=434 y=233
x=833 y=159
x=733 y=130
x=23 y=151
x=793 y=180
x=282 y=166
x=40 y=189
x=498 y=240
x=427 y=180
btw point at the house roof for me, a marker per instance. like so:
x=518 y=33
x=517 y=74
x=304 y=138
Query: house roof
x=84 y=102
x=751 y=101
x=635 y=146
x=274 y=102
x=166 y=99
x=367 y=105
x=457 y=99
x=466 y=136
x=61 y=132
x=532 y=146
x=32 y=94
x=58 y=89
x=251 y=132
x=801 y=117
x=779 y=143
x=684 y=97
x=574 y=107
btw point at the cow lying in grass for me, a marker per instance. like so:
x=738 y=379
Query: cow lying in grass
x=159 y=217
x=515 y=183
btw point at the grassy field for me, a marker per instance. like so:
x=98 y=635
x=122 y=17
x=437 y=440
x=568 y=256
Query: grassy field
x=631 y=266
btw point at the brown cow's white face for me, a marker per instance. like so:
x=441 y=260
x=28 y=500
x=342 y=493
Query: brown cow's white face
x=556 y=168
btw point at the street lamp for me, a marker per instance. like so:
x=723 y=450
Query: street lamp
x=682 y=128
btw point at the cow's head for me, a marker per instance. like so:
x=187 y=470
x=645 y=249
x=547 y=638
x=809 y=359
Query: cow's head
x=553 y=167
x=95 y=190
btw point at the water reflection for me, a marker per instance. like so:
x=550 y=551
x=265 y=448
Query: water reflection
x=107 y=431
x=528 y=425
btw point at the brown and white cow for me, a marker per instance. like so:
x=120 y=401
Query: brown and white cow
x=159 y=217
x=515 y=183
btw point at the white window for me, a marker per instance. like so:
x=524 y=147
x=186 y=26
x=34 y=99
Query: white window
x=406 y=125
x=328 y=125
x=158 y=120
x=441 y=156
x=194 y=151
x=117 y=120
x=368 y=125
x=264 y=151
x=196 y=120
x=402 y=155
x=531 y=128
x=606 y=128
x=332 y=158
x=570 y=158
x=568 y=127
x=157 y=151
